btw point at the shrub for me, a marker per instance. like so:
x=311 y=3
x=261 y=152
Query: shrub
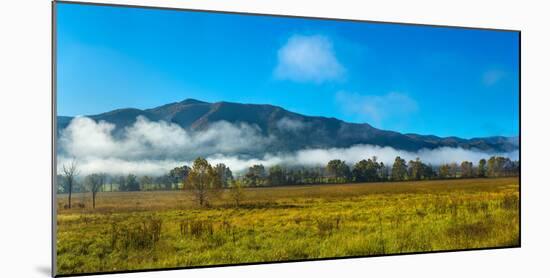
x=136 y=235
x=196 y=228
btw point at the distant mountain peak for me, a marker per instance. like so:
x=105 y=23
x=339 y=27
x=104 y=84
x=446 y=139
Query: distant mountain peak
x=192 y=101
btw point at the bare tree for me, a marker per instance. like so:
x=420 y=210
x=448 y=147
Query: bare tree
x=70 y=172
x=94 y=182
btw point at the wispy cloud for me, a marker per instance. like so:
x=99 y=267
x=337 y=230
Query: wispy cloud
x=288 y=124
x=376 y=109
x=308 y=59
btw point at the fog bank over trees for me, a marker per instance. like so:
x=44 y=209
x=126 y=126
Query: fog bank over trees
x=153 y=148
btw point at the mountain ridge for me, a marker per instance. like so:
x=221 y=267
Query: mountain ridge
x=293 y=131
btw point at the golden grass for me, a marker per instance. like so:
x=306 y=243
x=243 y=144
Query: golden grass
x=142 y=230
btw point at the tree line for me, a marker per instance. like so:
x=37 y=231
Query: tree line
x=371 y=170
x=206 y=180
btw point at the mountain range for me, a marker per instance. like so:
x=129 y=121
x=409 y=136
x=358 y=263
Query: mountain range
x=292 y=131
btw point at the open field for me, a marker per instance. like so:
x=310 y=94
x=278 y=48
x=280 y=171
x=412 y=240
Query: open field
x=142 y=230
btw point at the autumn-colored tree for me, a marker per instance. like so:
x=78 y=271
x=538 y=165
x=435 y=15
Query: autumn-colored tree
x=237 y=192
x=498 y=166
x=444 y=171
x=203 y=181
x=453 y=169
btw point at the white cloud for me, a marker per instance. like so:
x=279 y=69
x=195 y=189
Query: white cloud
x=146 y=142
x=308 y=59
x=307 y=157
x=387 y=155
x=288 y=124
x=153 y=148
x=377 y=108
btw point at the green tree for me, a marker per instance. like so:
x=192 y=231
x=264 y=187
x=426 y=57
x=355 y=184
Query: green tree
x=384 y=172
x=399 y=169
x=203 y=181
x=359 y=171
x=256 y=175
x=121 y=181
x=224 y=174
x=292 y=176
x=416 y=169
x=131 y=183
x=277 y=176
x=179 y=174
x=146 y=183
x=164 y=181
x=466 y=169
x=338 y=170
x=313 y=175
x=482 y=168
x=492 y=167
x=367 y=170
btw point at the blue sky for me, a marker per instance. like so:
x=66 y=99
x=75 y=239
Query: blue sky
x=411 y=79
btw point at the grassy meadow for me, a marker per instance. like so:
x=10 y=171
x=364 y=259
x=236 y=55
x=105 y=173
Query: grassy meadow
x=162 y=229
